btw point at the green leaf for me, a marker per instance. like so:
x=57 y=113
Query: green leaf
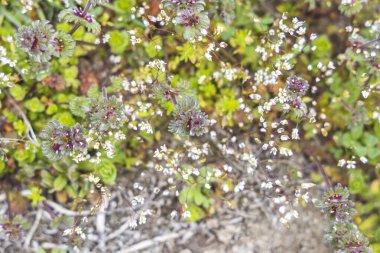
x=35 y=196
x=18 y=92
x=357 y=132
x=196 y=213
x=34 y=105
x=53 y=108
x=357 y=184
x=124 y=6
x=65 y=118
x=323 y=45
x=199 y=198
x=60 y=183
x=19 y=126
x=107 y=171
x=370 y=140
x=118 y=41
x=2 y=167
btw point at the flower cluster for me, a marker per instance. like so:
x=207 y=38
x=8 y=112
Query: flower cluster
x=104 y=123
x=40 y=41
x=76 y=235
x=337 y=205
x=184 y=4
x=104 y=114
x=13 y=228
x=190 y=15
x=5 y=81
x=59 y=140
x=194 y=23
x=166 y=92
x=36 y=40
x=80 y=16
x=342 y=232
x=188 y=118
x=296 y=86
x=352 y=7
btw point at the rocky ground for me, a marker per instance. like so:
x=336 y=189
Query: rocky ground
x=253 y=228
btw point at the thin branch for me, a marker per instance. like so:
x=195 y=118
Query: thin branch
x=322 y=172
x=365 y=45
x=10 y=215
x=158 y=239
x=60 y=209
x=30 y=132
x=33 y=228
x=6 y=140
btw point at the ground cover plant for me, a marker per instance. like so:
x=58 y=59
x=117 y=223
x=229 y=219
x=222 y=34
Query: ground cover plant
x=149 y=112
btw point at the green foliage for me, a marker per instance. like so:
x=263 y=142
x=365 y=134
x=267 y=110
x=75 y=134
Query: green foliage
x=34 y=105
x=18 y=92
x=196 y=198
x=107 y=171
x=119 y=41
x=35 y=196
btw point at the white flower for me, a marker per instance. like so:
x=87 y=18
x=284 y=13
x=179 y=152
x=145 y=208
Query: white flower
x=173 y=214
x=351 y=164
x=295 y=135
x=226 y=188
x=306 y=197
x=365 y=93
x=186 y=214
x=145 y=126
x=68 y=231
x=251 y=159
x=341 y=162
x=307 y=185
x=266 y=185
x=363 y=159
x=93 y=179
x=240 y=186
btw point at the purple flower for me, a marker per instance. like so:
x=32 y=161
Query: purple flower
x=79 y=12
x=297 y=85
x=189 y=18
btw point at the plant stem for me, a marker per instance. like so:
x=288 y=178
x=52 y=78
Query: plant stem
x=31 y=135
x=323 y=172
x=75 y=27
x=9 y=17
x=10 y=215
x=5 y=140
x=173 y=98
x=370 y=42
